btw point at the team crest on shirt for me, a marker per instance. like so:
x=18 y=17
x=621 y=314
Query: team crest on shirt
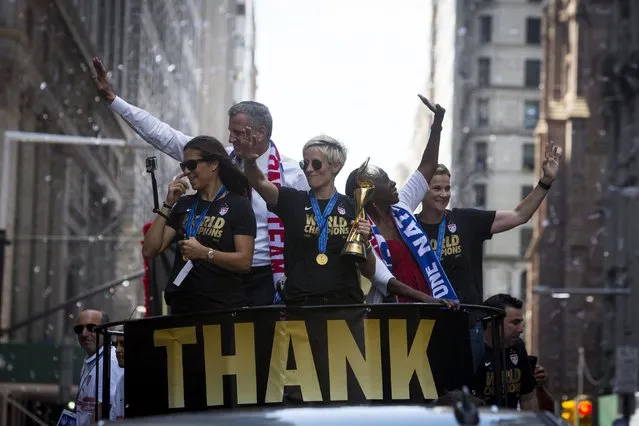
x=224 y=210
x=452 y=228
x=514 y=358
x=341 y=210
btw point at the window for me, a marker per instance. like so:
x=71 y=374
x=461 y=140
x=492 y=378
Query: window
x=533 y=31
x=480 y=195
x=485 y=29
x=525 y=190
x=528 y=157
x=525 y=236
x=533 y=70
x=531 y=114
x=482 y=112
x=483 y=72
x=481 y=156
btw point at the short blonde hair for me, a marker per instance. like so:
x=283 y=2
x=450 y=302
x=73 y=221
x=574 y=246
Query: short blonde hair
x=334 y=150
x=441 y=170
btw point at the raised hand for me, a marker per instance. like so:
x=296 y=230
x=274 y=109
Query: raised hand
x=248 y=145
x=550 y=165
x=436 y=109
x=101 y=80
x=177 y=188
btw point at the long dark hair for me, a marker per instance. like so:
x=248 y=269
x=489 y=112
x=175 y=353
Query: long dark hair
x=232 y=177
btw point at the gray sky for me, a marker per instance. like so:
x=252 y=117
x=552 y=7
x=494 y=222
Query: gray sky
x=347 y=68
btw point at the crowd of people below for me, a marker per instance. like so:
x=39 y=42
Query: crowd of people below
x=252 y=227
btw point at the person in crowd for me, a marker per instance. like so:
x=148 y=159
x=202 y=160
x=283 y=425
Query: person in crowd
x=396 y=237
x=89 y=340
x=268 y=260
x=316 y=225
x=117 y=404
x=520 y=383
x=215 y=229
x=464 y=230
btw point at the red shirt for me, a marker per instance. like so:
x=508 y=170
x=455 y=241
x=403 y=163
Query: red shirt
x=406 y=269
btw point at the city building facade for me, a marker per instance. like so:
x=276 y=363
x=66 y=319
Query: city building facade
x=585 y=234
x=73 y=211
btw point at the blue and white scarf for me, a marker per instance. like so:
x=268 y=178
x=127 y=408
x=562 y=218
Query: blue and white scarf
x=419 y=245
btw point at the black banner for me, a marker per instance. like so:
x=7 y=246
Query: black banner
x=274 y=355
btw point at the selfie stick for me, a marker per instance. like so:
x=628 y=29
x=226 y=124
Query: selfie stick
x=151 y=166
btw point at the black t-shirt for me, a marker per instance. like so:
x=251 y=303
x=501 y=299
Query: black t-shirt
x=463 y=251
x=228 y=216
x=304 y=277
x=520 y=379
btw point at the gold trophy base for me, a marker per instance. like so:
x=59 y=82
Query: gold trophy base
x=355 y=251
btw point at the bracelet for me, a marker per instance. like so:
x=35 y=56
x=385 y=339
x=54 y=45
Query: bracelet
x=164 y=204
x=159 y=213
x=368 y=246
x=545 y=186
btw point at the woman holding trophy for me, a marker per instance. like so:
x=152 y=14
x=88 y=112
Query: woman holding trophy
x=396 y=235
x=317 y=224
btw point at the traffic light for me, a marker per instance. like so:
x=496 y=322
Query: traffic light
x=577 y=412
x=569 y=411
x=584 y=409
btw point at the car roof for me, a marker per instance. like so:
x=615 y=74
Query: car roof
x=402 y=415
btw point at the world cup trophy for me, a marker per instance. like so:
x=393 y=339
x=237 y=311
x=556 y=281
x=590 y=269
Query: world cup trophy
x=355 y=247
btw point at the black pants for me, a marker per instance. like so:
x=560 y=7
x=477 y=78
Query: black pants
x=259 y=285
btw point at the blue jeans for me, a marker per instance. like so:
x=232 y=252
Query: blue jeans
x=477 y=344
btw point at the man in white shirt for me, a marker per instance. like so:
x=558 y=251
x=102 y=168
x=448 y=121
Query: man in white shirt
x=88 y=339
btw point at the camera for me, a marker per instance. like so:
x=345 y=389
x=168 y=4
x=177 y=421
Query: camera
x=151 y=164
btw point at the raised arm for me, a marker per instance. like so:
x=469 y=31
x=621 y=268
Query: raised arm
x=508 y=219
x=154 y=131
x=248 y=153
x=430 y=157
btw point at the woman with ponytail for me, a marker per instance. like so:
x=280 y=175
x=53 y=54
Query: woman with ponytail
x=215 y=228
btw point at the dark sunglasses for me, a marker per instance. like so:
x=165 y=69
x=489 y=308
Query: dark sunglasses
x=79 y=328
x=316 y=164
x=192 y=164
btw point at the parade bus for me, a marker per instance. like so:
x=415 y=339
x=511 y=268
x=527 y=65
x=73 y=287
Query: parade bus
x=278 y=365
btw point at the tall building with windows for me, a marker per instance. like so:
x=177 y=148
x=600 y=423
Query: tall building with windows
x=586 y=237
x=484 y=67
x=74 y=213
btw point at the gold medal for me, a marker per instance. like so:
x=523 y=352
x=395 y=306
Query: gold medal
x=321 y=259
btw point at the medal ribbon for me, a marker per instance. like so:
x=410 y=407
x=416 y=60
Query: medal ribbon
x=440 y=238
x=322 y=219
x=191 y=228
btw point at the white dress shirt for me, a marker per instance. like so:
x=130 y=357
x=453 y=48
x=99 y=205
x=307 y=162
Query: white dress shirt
x=85 y=402
x=170 y=141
